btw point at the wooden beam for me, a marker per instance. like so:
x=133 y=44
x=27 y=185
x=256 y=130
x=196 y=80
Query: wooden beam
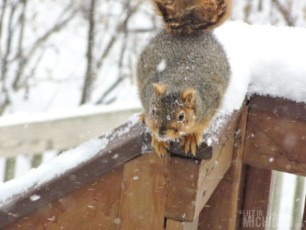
x=280 y=107
x=222 y=209
x=276 y=139
x=256 y=199
x=192 y=182
x=143 y=196
x=95 y=206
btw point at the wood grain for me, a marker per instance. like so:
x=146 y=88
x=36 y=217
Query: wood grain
x=256 y=198
x=275 y=142
x=143 y=196
x=94 y=206
x=222 y=209
x=191 y=183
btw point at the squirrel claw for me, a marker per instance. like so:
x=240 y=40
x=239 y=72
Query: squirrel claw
x=190 y=142
x=160 y=147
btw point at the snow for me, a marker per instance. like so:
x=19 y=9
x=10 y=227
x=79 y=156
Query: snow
x=265 y=60
x=52 y=169
x=162 y=65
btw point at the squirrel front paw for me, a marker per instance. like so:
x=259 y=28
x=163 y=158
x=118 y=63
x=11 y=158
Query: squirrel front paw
x=190 y=142
x=160 y=146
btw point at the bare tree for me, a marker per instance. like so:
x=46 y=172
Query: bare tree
x=275 y=12
x=18 y=59
x=90 y=46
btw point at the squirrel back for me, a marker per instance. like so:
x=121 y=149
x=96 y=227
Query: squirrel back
x=191 y=16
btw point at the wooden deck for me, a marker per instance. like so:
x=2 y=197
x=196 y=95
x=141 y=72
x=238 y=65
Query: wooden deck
x=218 y=189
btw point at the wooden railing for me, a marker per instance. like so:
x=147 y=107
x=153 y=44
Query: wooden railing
x=134 y=191
x=33 y=137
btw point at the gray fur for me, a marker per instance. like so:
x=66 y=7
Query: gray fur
x=192 y=61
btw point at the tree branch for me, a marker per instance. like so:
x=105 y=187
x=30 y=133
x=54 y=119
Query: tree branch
x=3 y=9
x=57 y=27
x=120 y=27
x=4 y=60
x=284 y=12
x=21 y=61
x=90 y=45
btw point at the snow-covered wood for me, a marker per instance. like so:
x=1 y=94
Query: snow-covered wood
x=75 y=168
x=189 y=182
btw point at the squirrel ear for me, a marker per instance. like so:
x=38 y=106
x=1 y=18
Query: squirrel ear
x=189 y=97
x=159 y=89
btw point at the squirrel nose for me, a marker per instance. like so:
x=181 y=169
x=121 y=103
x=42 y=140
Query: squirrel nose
x=162 y=131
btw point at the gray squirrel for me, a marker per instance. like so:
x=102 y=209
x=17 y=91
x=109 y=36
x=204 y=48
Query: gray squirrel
x=181 y=79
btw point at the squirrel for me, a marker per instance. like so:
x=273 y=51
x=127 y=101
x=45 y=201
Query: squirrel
x=182 y=74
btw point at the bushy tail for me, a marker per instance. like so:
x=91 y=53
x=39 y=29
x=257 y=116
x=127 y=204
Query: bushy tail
x=192 y=16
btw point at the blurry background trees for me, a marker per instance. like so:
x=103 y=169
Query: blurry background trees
x=65 y=53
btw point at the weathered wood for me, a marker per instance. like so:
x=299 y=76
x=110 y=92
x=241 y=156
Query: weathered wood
x=32 y=137
x=182 y=189
x=256 y=199
x=143 y=196
x=280 y=107
x=176 y=225
x=275 y=141
x=94 y=206
x=121 y=148
x=191 y=183
x=222 y=209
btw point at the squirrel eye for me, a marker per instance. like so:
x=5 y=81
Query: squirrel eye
x=181 y=117
x=154 y=112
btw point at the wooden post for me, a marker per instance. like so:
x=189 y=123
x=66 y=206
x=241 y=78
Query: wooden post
x=10 y=164
x=191 y=183
x=256 y=199
x=143 y=196
x=222 y=209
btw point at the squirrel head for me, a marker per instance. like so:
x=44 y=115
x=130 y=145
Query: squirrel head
x=171 y=114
